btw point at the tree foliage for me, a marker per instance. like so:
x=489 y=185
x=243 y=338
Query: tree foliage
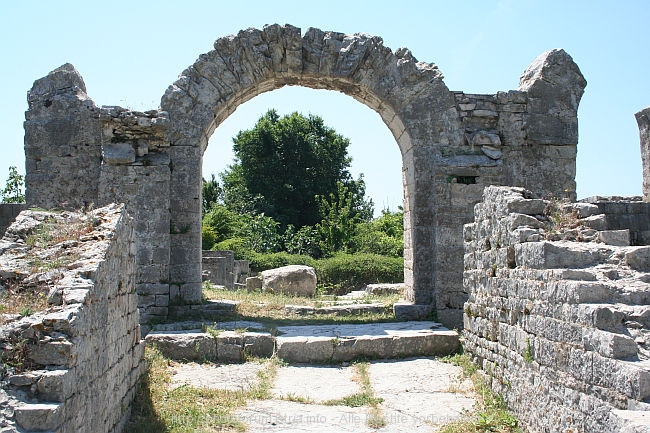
x=14 y=187
x=211 y=193
x=283 y=163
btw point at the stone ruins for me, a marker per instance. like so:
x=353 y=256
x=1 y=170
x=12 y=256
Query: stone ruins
x=558 y=317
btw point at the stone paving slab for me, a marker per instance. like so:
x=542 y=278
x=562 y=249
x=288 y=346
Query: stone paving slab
x=421 y=392
x=315 y=383
x=289 y=417
x=232 y=377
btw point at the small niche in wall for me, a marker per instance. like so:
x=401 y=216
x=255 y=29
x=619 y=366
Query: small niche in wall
x=465 y=180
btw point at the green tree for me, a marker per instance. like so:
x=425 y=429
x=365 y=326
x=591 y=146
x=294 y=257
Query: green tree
x=340 y=220
x=14 y=188
x=211 y=193
x=283 y=163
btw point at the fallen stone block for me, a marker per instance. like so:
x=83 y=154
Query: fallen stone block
x=253 y=284
x=384 y=289
x=293 y=279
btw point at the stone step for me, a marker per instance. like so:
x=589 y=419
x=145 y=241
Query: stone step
x=339 y=310
x=39 y=416
x=306 y=343
x=212 y=308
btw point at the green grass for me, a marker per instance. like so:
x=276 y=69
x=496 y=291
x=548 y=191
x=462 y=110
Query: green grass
x=159 y=409
x=490 y=413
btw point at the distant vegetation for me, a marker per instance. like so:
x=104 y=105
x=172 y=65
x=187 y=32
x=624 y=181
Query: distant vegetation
x=289 y=198
x=14 y=190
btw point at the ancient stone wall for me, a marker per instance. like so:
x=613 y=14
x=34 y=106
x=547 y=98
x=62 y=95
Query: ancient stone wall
x=73 y=367
x=625 y=213
x=8 y=214
x=558 y=312
x=452 y=145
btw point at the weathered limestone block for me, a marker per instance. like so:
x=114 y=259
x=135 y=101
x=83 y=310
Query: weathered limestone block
x=192 y=346
x=548 y=255
x=39 y=416
x=292 y=279
x=118 y=153
x=253 y=284
x=555 y=86
x=639 y=258
x=230 y=346
x=619 y=238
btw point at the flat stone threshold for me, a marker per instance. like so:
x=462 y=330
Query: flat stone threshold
x=232 y=341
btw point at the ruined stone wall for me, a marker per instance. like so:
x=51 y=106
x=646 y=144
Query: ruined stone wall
x=75 y=366
x=452 y=145
x=643 y=120
x=558 y=312
x=625 y=213
x=8 y=214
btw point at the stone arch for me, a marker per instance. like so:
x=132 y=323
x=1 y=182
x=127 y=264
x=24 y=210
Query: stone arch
x=452 y=144
x=410 y=97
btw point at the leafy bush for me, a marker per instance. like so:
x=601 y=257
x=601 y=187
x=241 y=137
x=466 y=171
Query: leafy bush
x=208 y=237
x=304 y=241
x=237 y=245
x=261 y=262
x=352 y=271
x=384 y=235
x=224 y=223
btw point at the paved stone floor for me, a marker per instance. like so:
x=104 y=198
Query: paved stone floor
x=419 y=395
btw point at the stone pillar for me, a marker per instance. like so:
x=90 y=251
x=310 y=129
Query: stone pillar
x=643 y=120
x=185 y=226
x=554 y=85
x=62 y=142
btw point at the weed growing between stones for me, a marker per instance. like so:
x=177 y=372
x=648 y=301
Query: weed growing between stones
x=157 y=408
x=490 y=413
x=51 y=247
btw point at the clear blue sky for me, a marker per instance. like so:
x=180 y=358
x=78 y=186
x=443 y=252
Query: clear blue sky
x=128 y=52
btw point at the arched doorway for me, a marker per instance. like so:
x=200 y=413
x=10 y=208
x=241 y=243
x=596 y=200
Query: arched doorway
x=409 y=96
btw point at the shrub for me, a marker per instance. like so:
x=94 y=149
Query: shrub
x=224 y=223
x=263 y=261
x=238 y=245
x=348 y=272
x=208 y=237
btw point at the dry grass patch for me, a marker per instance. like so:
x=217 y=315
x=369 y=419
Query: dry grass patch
x=269 y=308
x=159 y=408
